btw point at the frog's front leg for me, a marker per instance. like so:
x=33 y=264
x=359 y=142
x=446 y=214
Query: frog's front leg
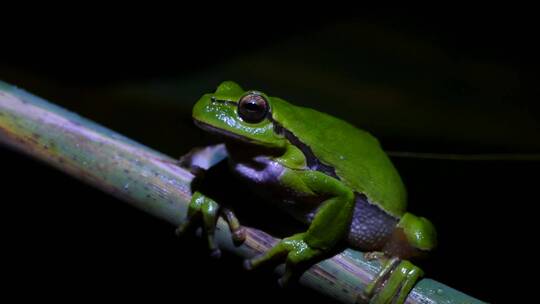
x=202 y=207
x=328 y=227
x=393 y=283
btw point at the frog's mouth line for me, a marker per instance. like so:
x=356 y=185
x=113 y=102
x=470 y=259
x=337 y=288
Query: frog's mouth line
x=226 y=134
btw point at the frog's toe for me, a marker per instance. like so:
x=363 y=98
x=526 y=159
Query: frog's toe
x=239 y=235
x=238 y=232
x=210 y=216
x=393 y=283
x=294 y=250
x=291 y=273
x=181 y=230
x=274 y=254
x=193 y=217
x=247 y=264
x=285 y=279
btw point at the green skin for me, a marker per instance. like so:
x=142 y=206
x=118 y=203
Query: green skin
x=351 y=163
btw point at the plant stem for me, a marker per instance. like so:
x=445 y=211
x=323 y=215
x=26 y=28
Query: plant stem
x=152 y=181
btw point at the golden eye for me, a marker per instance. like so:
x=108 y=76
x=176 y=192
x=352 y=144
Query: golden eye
x=253 y=108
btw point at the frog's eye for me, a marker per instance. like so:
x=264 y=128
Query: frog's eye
x=253 y=107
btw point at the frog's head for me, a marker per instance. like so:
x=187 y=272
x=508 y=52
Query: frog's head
x=413 y=236
x=238 y=115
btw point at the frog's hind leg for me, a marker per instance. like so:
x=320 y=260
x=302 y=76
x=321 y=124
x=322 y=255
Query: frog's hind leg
x=393 y=283
x=328 y=227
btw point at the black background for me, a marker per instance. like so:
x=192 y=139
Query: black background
x=66 y=241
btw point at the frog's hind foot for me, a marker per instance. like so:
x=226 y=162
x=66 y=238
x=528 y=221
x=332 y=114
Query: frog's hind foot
x=294 y=250
x=393 y=283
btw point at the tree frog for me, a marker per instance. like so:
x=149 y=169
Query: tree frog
x=325 y=172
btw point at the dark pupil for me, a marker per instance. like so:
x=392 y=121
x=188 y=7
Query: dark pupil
x=252 y=105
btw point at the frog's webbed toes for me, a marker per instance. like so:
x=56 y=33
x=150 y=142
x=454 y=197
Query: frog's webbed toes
x=393 y=283
x=274 y=254
x=294 y=250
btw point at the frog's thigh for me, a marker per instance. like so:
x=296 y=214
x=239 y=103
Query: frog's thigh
x=332 y=220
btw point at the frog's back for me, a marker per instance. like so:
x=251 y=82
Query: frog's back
x=355 y=155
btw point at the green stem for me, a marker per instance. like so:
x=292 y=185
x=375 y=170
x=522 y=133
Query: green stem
x=154 y=183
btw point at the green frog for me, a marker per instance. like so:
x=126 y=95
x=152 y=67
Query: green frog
x=325 y=172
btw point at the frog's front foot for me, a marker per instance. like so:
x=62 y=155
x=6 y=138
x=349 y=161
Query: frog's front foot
x=204 y=207
x=296 y=252
x=393 y=283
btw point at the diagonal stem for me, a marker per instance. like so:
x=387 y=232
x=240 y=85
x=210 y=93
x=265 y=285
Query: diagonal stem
x=152 y=181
